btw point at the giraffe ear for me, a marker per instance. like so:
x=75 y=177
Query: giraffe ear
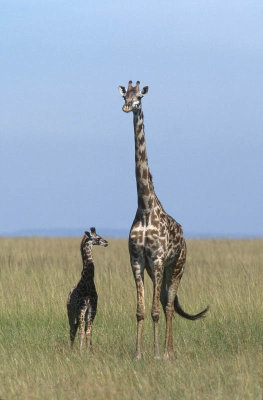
x=87 y=234
x=122 y=90
x=144 y=90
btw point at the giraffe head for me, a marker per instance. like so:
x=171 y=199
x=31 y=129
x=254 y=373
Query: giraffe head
x=92 y=238
x=132 y=97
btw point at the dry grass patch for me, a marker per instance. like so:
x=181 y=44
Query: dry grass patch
x=219 y=357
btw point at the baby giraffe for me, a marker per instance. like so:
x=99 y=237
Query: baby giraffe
x=82 y=299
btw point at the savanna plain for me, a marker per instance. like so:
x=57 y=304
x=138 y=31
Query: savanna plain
x=218 y=357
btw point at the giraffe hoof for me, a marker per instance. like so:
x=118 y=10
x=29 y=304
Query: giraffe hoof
x=157 y=357
x=169 y=357
x=89 y=351
x=138 y=356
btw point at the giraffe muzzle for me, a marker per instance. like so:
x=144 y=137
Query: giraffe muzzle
x=126 y=108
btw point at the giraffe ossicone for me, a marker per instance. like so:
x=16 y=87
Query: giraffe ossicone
x=132 y=96
x=156 y=241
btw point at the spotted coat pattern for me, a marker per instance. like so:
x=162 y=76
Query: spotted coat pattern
x=156 y=241
x=82 y=299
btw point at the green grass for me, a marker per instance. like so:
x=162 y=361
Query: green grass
x=219 y=357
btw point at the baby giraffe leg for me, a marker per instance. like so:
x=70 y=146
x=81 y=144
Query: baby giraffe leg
x=73 y=331
x=73 y=326
x=81 y=327
x=89 y=334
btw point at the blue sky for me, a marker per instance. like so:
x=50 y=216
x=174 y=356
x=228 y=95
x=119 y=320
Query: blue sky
x=66 y=147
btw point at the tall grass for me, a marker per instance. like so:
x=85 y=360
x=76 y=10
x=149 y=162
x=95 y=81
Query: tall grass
x=219 y=357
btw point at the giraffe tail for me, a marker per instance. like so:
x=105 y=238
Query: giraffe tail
x=178 y=309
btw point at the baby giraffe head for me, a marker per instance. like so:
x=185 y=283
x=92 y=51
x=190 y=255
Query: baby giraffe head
x=132 y=97
x=92 y=238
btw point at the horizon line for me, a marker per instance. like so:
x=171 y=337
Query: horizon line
x=119 y=233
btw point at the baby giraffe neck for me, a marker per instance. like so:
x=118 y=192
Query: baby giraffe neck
x=88 y=265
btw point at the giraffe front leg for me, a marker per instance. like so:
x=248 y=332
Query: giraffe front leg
x=157 y=283
x=92 y=311
x=89 y=334
x=138 y=272
x=81 y=327
x=89 y=324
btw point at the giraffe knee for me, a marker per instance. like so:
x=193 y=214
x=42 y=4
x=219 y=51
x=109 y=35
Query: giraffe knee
x=140 y=315
x=155 y=315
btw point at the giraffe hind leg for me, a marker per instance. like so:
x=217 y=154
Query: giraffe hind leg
x=169 y=311
x=164 y=292
x=174 y=275
x=73 y=326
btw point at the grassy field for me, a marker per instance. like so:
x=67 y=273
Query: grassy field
x=219 y=357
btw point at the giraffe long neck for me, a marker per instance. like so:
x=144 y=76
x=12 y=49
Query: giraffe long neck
x=88 y=264
x=143 y=176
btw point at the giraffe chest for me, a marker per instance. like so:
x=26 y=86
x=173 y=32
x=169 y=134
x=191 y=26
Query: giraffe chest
x=148 y=237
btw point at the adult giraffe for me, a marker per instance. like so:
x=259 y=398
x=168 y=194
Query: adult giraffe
x=156 y=241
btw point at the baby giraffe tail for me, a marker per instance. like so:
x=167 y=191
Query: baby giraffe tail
x=183 y=314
